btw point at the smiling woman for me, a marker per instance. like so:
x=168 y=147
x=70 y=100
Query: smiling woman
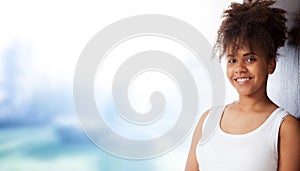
x=248 y=69
x=251 y=133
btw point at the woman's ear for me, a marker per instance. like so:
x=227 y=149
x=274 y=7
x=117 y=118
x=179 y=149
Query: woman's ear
x=272 y=65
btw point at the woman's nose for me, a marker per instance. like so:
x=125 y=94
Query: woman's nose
x=240 y=67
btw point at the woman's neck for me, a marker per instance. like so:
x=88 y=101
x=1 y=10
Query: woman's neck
x=253 y=103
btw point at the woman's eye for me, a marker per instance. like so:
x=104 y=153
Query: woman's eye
x=250 y=59
x=231 y=61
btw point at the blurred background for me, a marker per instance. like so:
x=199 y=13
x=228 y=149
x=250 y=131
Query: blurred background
x=40 y=43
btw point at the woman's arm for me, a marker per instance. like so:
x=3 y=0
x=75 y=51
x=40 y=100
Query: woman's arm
x=192 y=163
x=289 y=145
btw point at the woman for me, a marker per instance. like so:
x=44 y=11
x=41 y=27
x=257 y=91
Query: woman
x=252 y=133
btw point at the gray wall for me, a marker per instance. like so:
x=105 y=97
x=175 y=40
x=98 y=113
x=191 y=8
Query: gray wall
x=285 y=83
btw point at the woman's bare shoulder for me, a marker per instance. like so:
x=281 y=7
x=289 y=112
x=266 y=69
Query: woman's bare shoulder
x=289 y=144
x=290 y=125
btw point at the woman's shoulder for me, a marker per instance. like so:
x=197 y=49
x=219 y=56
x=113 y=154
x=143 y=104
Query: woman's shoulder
x=289 y=138
x=201 y=122
x=290 y=125
x=198 y=129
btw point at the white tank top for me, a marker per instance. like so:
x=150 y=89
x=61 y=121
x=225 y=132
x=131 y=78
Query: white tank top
x=253 y=151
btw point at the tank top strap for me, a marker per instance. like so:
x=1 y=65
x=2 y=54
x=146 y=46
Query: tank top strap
x=211 y=123
x=276 y=121
x=278 y=115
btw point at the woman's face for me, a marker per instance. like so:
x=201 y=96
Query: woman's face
x=248 y=69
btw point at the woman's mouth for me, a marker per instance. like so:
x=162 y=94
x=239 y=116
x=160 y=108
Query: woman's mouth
x=242 y=80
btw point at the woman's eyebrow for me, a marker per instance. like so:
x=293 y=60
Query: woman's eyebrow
x=244 y=55
x=248 y=54
x=230 y=55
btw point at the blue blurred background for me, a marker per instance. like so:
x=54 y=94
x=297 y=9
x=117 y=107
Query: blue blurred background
x=40 y=43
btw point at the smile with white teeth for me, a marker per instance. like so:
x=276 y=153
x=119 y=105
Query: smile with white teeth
x=243 y=79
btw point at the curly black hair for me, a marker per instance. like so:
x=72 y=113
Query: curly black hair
x=252 y=23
